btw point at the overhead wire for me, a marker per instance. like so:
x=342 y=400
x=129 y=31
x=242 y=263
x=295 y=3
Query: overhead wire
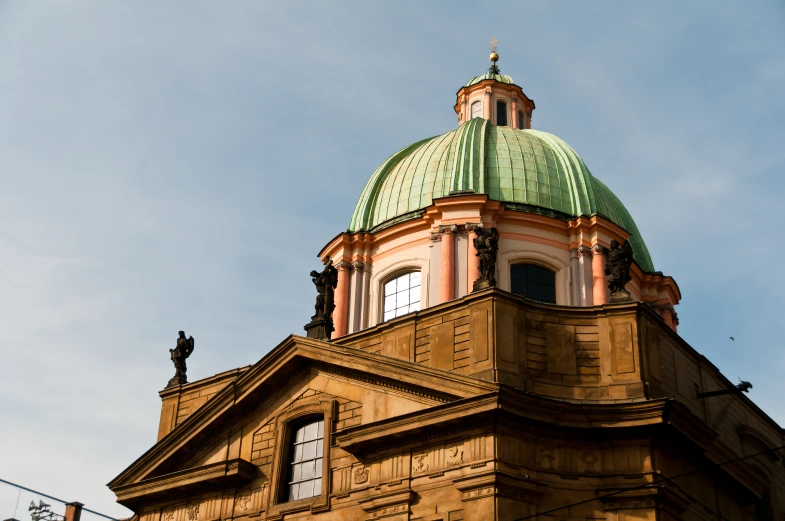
x=649 y=484
x=20 y=487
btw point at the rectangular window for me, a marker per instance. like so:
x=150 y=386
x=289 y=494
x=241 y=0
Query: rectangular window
x=305 y=473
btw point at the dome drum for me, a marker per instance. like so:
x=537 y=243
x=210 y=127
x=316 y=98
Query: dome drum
x=438 y=246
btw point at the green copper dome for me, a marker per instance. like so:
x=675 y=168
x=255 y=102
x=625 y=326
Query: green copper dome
x=527 y=170
x=490 y=76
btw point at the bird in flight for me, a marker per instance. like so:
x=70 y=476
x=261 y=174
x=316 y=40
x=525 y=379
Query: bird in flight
x=732 y=338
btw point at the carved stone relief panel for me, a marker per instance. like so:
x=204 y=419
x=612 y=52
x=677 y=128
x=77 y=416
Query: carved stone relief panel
x=453 y=455
x=421 y=463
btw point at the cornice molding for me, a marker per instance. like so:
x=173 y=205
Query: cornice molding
x=224 y=472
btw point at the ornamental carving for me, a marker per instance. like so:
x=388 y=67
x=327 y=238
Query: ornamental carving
x=478 y=492
x=589 y=459
x=546 y=456
x=242 y=502
x=418 y=464
x=192 y=512
x=168 y=515
x=395 y=509
x=361 y=474
x=454 y=456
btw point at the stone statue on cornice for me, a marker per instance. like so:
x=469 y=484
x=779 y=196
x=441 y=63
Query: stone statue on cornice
x=184 y=348
x=487 y=245
x=617 y=269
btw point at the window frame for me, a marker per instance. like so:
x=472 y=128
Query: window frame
x=394 y=276
x=286 y=423
x=521 y=119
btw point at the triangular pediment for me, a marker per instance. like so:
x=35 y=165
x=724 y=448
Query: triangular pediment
x=230 y=432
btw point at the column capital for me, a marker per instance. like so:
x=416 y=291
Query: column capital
x=358 y=265
x=448 y=228
x=343 y=265
x=598 y=249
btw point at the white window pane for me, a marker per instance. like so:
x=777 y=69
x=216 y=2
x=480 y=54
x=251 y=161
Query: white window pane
x=293 y=490
x=402 y=298
x=296 y=472
x=307 y=472
x=310 y=431
x=298 y=453
x=389 y=288
x=401 y=311
x=414 y=307
x=414 y=278
x=309 y=450
x=320 y=429
x=299 y=435
x=317 y=487
x=317 y=471
x=389 y=303
x=388 y=315
x=319 y=448
x=306 y=489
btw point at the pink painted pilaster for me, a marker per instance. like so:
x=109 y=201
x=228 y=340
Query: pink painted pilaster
x=341 y=313
x=472 y=260
x=514 y=113
x=599 y=279
x=447 y=277
x=487 y=104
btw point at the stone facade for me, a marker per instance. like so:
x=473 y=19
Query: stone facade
x=485 y=407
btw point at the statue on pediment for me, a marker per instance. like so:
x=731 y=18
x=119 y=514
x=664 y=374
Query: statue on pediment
x=183 y=349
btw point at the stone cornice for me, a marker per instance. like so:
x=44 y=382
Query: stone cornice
x=418 y=426
x=235 y=470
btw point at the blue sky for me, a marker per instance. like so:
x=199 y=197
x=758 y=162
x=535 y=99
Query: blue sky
x=168 y=166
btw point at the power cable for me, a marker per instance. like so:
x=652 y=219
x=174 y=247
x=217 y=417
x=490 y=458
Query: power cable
x=647 y=485
x=53 y=498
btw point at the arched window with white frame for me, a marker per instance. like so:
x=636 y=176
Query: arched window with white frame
x=402 y=295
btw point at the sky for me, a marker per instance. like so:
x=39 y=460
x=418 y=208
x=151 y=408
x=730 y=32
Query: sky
x=178 y=165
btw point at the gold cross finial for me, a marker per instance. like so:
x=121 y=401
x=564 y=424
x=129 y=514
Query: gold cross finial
x=494 y=41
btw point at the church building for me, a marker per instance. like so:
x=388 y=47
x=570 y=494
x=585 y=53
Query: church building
x=496 y=344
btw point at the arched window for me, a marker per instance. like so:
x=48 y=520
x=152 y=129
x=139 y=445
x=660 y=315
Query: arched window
x=534 y=282
x=402 y=295
x=306 y=451
x=501 y=113
x=477 y=109
x=521 y=122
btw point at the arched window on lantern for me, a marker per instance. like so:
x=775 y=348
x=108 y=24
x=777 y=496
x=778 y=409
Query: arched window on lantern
x=521 y=121
x=534 y=282
x=402 y=295
x=477 y=109
x=501 y=113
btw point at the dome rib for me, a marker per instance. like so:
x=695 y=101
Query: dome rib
x=528 y=170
